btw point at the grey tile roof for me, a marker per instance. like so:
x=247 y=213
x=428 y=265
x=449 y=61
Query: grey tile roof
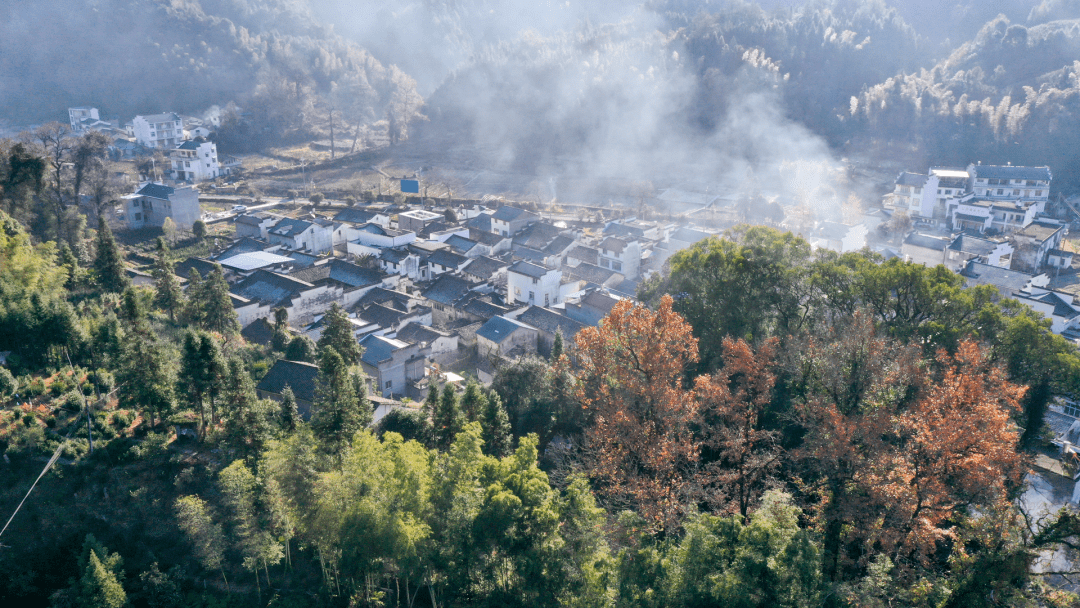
x=1010 y=172
x=394 y=256
x=499 y=329
x=270 y=288
x=537 y=235
x=1039 y=231
x=447 y=258
x=506 y=213
x=1009 y=281
x=1061 y=307
x=290 y=227
x=967 y=217
x=613 y=244
x=163 y=117
x=481 y=222
x=380 y=295
x=585 y=254
x=382 y=316
x=689 y=235
x=549 y=321
x=460 y=243
x=927 y=241
x=484 y=267
x=302 y=259
x=183 y=269
x=483 y=307
x=415 y=332
x=910 y=179
x=379 y=348
x=488 y=238
x=355 y=216
x=158 y=191
x=297 y=375
x=258 y=331
x=529 y=270
x=832 y=231
x=188 y=145
x=528 y=254
x=560 y=244
x=973 y=245
x=590 y=272
x=340 y=271
x=618 y=229
x=447 y=288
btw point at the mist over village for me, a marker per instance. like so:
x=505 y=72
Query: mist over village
x=577 y=304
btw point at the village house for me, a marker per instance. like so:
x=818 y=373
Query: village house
x=255 y=225
x=549 y=323
x=838 y=237
x=530 y=284
x=352 y=280
x=967 y=247
x=504 y=338
x=264 y=291
x=316 y=236
x=391 y=364
x=1035 y=242
x=152 y=203
x=438 y=346
x=508 y=221
x=1008 y=282
x=417 y=219
x=158 y=130
x=298 y=376
x=195 y=161
x=925 y=249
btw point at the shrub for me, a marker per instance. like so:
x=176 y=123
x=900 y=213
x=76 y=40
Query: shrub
x=154 y=445
x=104 y=380
x=28 y=419
x=36 y=388
x=72 y=401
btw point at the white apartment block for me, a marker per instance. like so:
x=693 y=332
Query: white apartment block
x=533 y=285
x=195 y=161
x=76 y=116
x=158 y=130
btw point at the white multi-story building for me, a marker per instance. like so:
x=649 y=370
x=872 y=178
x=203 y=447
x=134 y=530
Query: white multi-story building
x=195 y=161
x=1009 y=183
x=152 y=203
x=531 y=284
x=158 y=130
x=76 y=116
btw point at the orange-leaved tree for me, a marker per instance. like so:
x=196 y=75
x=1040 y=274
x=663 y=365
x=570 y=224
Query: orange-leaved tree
x=899 y=448
x=739 y=454
x=641 y=449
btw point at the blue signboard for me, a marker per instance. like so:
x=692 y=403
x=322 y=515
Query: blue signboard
x=410 y=185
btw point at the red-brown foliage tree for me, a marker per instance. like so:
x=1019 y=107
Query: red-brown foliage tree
x=641 y=451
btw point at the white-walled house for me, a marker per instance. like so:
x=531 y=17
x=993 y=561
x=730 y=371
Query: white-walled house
x=838 y=237
x=152 y=203
x=621 y=255
x=158 y=130
x=316 y=236
x=76 y=116
x=392 y=364
x=531 y=284
x=195 y=161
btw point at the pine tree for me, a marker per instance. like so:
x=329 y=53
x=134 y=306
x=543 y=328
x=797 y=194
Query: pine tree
x=334 y=417
x=557 y=346
x=218 y=314
x=169 y=295
x=109 y=264
x=473 y=402
x=338 y=334
x=99 y=587
x=447 y=421
x=193 y=312
x=248 y=418
x=496 y=426
x=71 y=263
x=365 y=413
x=290 y=415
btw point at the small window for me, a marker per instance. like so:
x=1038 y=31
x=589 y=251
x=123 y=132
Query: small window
x=389 y=383
x=532 y=296
x=138 y=217
x=1000 y=192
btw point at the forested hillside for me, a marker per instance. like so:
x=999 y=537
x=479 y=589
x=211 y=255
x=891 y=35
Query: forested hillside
x=283 y=68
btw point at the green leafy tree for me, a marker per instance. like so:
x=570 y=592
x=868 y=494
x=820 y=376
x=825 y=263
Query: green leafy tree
x=199 y=230
x=525 y=387
x=159 y=589
x=240 y=491
x=206 y=537
x=447 y=421
x=338 y=334
x=109 y=263
x=557 y=345
x=301 y=348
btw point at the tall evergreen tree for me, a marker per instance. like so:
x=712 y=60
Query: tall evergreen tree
x=290 y=415
x=218 y=314
x=146 y=376
x=201 y=368
x=447 y=420
x=496 y=426
x=247 y=418
x=169 y=296
x=109 y=263
x=334 y=418
x=473 y=402
x=557 y=346
x=338 y=334
x=99 y=587
x=365 y=414
x=194 y=312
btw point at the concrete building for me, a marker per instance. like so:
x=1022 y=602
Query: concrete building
x=316 y=236
x=508 y=221
x=502 y=337
x=391 y=364
x=78 y=116
x=195 y=161
x=158 y=130
x=152 y=203
x=531 y=284
x=417 y=219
